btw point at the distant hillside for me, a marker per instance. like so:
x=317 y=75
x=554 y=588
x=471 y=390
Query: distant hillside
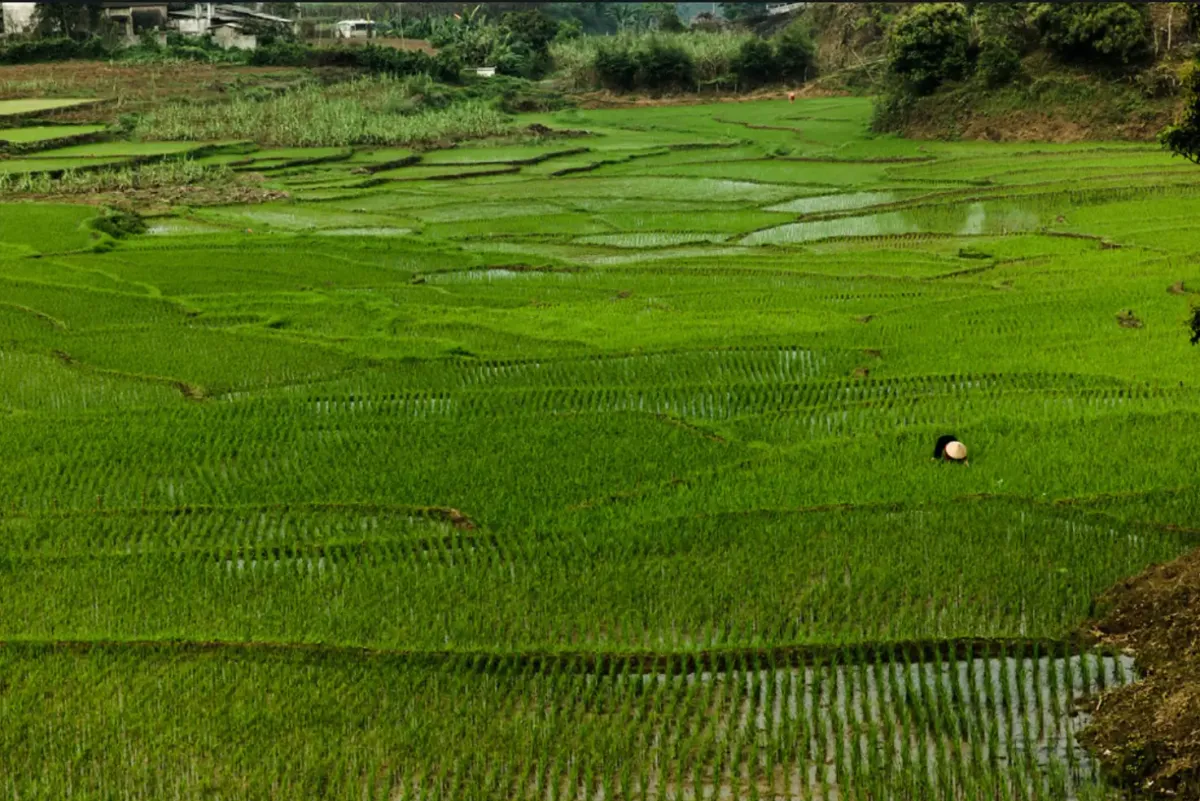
x=1030 y=71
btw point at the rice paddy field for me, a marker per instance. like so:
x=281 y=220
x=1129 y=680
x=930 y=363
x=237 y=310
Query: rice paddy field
x=592 y=467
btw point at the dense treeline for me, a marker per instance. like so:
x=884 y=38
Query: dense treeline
x=689 y=62
x=904 y=52
x=651 y=51
x=988 y=45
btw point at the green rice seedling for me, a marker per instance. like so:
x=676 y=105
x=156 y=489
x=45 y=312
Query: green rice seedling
x=71 y=181
x=38 y=136
x=479 y=511
x=25 y=106
x=363 y=112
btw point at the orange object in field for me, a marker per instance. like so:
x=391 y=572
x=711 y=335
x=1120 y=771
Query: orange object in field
x=791 y=97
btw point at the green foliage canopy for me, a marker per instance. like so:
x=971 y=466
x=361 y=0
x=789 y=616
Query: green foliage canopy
x=1101 y=32
x=929 y=45
x=1183 y=138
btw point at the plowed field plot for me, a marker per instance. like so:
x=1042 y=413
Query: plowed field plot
x=451 y=477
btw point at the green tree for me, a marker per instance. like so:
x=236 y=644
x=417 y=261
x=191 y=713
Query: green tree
x=1183 y=138
x=755 y=63
x=1100 y=32
x=795 y=52
x=743 y=11
x=74 y=20
x=929 y=45
x=592 y=17
x=626 y=16
x=616 y=67
x=998 y=62
x=664 y=66
x=664 y=17
x=529 y=36
x=534 y=28
x=1003 y=36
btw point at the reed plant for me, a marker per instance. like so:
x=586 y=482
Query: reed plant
x=368 y=111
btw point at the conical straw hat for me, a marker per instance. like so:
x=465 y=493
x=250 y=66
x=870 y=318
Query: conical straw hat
x=956 y=451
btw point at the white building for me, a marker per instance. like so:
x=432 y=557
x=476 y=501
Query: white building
x=199 y=19
x=774 y=9
x=354 y=29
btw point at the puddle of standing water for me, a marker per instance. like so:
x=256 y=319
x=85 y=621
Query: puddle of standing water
x=861 y=724
x=363 y=232
x=839 y=202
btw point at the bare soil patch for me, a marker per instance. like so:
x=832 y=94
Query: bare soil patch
x=1147 y=735
x=607 y=99
x=394 y=42
x=1127 y=319
x=161 y=200
x=1030 y=125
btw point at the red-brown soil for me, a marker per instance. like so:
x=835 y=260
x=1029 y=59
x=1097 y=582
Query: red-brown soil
x=1147 y=735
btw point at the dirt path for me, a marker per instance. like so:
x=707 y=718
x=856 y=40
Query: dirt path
x=1148 y=734
x=607 y=99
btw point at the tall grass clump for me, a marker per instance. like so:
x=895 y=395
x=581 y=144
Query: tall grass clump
x=379 y=110
x=712 y=54
x=184 y=172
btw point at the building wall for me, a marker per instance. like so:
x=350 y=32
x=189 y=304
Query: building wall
x=190 y=26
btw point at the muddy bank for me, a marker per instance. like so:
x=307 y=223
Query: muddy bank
x=1147 y=735
x=1036 y=125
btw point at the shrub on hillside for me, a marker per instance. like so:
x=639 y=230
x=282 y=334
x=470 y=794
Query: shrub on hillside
x=1183 y=138
x=60 y=49
x=655 y=64
x=755 y=64
x=929 y=45
x=1098 y=32
x=999 y=62
x=662 y=65
x=282 y=54
x=711 y=54
x=668 y=20
x=693 y=62
x=795 y=52
x=535 y=28
x=528 y=35
x=616 y=68
x=370 y=58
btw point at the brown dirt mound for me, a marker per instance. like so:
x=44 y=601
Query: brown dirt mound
x=606 y=99
x=1127 y=319
x=963 y=117
x=1147 y=735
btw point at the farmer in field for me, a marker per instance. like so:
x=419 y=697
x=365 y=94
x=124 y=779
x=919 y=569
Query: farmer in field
x=950 y=449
